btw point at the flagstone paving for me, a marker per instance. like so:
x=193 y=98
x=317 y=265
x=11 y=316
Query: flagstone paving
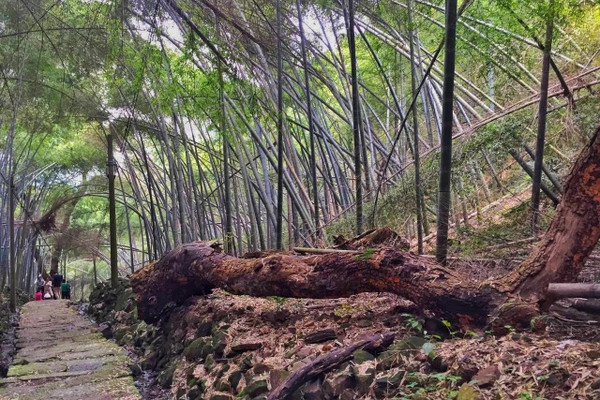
x=61 y=355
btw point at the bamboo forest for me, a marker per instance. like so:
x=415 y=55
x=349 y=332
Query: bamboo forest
x=295 y=199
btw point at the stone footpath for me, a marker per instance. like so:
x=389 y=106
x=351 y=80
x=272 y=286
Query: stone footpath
x=61 y=355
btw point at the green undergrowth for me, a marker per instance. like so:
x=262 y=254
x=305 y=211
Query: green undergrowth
x=568 y=130
x=513 y=225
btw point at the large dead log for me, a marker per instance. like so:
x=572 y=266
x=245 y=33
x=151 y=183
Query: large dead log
x=197 y=268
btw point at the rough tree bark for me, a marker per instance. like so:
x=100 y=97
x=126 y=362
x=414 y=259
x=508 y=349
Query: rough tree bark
x=514 y=299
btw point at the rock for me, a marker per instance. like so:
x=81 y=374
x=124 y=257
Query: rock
x=277 y=376
x=120 y=332
x=124 y=301
x=348 y=394
x=165 y=378
x=256 y=388
x=221 y=396
x=241 y=347
x=410 y=344
x=105 y=330
x=204 y=329
x=487 y=376
x=313 y=391
x=339 y=382
x=219 y=342
x=320 y=336
x=388 y=359
x=277 y=316
x=385 y=385
x=360 y=356
x=196 y=393
x=364 y=381
x=223 y=386
x=593 y=354
x=467 y=392
x=234 y=379
x=136 y=370
x=261 y=368
x=149 y=361
x=198 y=349
x=222 y=371
x=364 y=323
x=209 y=362
x=246 y=363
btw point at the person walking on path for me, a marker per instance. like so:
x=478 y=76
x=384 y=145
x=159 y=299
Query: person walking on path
x=65 y=290
x=57 y=280
x=39 y=283
x=48 y=290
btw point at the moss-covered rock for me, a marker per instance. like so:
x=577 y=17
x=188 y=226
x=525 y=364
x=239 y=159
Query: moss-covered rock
x=386 y=385
x=256 y=388
x=223 y=386
x=234 y=379
x=360 y=356
x=124 y=300
x=221 y=396
x=277 y=376
x=120 y=332
x=198 y=349
x=165 y=377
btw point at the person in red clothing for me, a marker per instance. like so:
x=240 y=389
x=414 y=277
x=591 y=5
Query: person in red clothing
x=38 y=296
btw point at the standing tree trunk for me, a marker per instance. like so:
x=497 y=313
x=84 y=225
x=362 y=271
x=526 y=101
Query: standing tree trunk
x=355 y=118
x=441 y=250
x=311 y=129
x=541 y=133
x=11 y=243
x=228 y=228
x=114 y=268
x=279 y=233
x=413 y=82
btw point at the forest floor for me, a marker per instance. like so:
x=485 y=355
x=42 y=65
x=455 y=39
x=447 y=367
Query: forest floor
x=62 y=356
x=227 y=347
x=274 y=337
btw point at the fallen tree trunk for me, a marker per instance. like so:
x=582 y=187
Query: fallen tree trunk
x=197 y=268
x=566 y=290
x=374 y=345
x=514 y=299
x=590 y=306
